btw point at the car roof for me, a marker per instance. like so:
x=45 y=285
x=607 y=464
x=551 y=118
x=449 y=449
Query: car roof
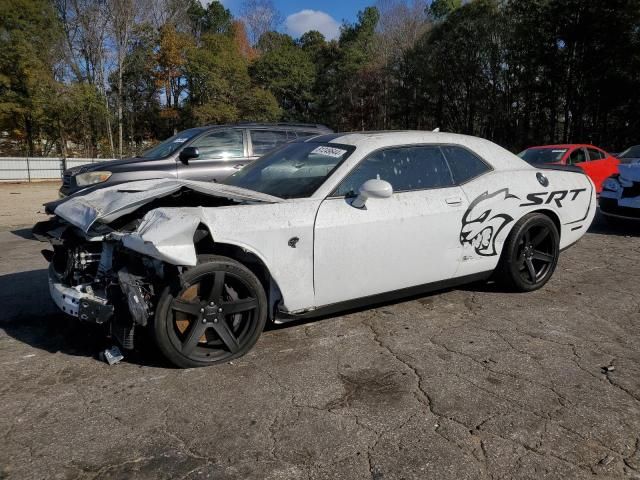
x=565 y=145
x=283 y=125
x=370 y=141
x=394 y=137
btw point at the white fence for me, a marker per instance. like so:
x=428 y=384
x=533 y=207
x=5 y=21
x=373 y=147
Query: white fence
x=21 y=169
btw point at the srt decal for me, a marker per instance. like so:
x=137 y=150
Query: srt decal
x=558 y=197
x=481 y=226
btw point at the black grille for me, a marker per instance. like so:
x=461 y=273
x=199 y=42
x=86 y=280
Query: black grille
x=609 y=205
x=632 y=191
x=66 y=180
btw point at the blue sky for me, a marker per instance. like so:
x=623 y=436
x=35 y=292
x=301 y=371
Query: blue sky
x=323 y=15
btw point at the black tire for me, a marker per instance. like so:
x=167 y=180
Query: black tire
x=215 y=313
x=530 y=254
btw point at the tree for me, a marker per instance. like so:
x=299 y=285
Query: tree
x=439 y=9
x=220 y=87
x=217 y=19
x=143 y=120
x=171 y=59
x=352 y=94
x=270 y=41
x=29 y=45
x=288 y=72
x=122 y=16
x=260 y=17
x=85 y=25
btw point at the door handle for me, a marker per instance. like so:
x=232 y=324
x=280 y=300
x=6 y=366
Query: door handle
x=453 y=200
x=237 y=167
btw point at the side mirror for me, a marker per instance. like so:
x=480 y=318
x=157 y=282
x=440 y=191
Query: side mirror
x=188 y=153
x=372 y=189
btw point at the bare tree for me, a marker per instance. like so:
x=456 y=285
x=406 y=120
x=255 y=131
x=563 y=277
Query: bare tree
x=400 y=26
x=85 y=25
x=122 y=18
x=260 y=17
x=163 y=12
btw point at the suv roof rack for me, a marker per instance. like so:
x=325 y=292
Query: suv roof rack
x=275 y=124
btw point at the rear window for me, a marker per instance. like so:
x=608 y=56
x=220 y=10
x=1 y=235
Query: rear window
x=542 y=155
x=464 y=164
x=595 y=154
x=264 y=141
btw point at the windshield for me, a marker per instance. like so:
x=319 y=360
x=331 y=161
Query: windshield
x=170 y=145
x=542 y=155
x=633 y=152
x=294 y=171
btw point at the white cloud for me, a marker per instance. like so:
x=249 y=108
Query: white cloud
x=305 y=20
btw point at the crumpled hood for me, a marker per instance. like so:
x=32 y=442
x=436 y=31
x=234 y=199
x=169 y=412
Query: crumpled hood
x=109 y=203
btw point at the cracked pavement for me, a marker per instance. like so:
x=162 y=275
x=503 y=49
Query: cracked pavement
x=465 y=383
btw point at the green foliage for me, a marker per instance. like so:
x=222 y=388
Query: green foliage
x=28 y=37
x=518 y=72
x=288 y=72
x=441 y=8
x=274 y=40
x=216 y=19
x=220 y=86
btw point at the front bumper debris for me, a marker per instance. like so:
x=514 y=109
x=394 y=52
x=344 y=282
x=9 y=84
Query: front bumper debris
x=85 y=306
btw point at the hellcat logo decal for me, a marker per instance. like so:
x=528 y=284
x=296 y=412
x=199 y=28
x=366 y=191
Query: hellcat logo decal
x=481 y=225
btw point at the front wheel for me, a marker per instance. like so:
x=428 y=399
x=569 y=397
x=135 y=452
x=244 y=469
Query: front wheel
x=530 y=254
x=215 y=315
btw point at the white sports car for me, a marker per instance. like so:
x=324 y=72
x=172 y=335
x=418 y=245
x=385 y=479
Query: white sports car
x=318 y=226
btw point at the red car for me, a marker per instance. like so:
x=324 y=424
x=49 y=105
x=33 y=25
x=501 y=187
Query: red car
x=596 y=163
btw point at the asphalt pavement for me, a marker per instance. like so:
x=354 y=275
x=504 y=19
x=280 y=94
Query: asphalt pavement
x=465 y=383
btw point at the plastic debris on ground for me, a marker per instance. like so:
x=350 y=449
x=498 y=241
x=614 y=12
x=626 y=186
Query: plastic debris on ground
x=111 y=355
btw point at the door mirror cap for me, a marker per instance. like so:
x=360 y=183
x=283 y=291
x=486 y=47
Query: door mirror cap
x=188 y=153
x=373 y=188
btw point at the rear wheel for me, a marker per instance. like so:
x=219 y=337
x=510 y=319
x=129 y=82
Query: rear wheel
x=215 y=315
x=530 y=254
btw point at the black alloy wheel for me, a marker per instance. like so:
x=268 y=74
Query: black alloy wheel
x=530 y=254
x=215 y=316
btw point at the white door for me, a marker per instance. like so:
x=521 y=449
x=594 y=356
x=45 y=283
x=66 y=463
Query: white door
x=409 y=239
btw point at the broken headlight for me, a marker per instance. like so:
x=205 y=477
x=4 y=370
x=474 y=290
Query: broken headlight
x=92 y=178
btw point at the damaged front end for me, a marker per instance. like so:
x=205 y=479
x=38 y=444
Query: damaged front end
x=116 y=250
x=100 y=281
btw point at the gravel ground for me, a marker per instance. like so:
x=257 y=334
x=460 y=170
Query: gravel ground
x=466 y=383
x=21 y=203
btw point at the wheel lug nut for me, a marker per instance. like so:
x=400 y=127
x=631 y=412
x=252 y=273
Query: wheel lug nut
x=215 y=320
x=220 y=310
x=204 y=320
x=202 y=310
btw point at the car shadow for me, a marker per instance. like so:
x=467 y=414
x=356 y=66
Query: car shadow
x=618 y=227
x=479 y=286
x=25 y=233
x=31 y=317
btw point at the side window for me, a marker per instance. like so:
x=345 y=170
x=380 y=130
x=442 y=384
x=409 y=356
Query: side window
x=264 y=141
x=221 y=144
x=406 y=169
x=464 y=164
x=577 y=156
x=595 y=154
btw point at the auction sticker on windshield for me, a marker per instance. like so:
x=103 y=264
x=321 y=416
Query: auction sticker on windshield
x=329 y=151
